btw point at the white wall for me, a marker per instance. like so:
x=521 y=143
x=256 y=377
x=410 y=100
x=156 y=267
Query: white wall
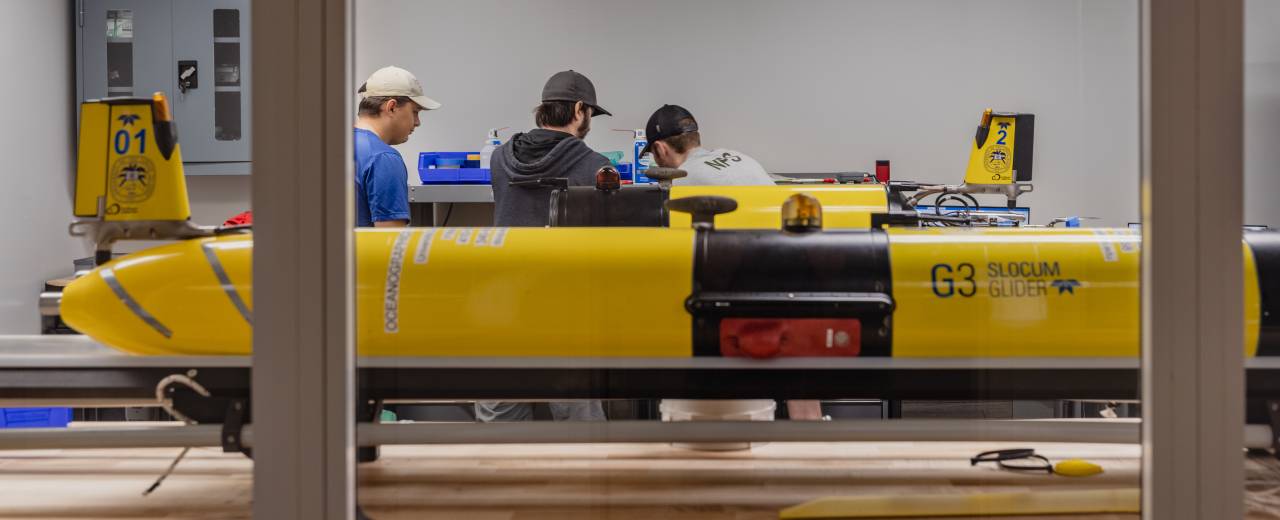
x=803 y=86
x=215 y=198
x=1262 y=112
x=35 y=204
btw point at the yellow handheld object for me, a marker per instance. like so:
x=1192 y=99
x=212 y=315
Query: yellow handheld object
x=1076 y=468
x=130 y=165
x=976 y=505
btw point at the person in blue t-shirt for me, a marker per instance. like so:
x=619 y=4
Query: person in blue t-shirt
x=389 y=104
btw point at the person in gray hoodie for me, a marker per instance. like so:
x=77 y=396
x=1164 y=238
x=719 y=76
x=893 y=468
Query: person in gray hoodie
x=522 y=172
x=525 y=168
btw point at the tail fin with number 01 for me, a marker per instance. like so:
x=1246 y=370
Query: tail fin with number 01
x=129 y=178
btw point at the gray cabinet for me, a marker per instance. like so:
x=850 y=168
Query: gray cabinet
x=195 y=51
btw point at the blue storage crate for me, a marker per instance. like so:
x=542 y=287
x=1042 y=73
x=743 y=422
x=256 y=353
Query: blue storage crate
x=624 y=171
x=34 y=417
x=461 y=171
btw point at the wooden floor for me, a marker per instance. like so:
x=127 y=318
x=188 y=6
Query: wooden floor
x=544 y=482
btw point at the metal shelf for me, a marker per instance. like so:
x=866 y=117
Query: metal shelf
x=451 y=193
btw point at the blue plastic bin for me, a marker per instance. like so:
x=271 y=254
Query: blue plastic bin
x=470 y=172
x=624 y=171
x=34 y=417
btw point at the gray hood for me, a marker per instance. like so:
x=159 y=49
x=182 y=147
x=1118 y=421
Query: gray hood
x=532 y=156
x=542 y=154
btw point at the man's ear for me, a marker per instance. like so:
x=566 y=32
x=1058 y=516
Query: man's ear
x=580 y=108
x=389 y=105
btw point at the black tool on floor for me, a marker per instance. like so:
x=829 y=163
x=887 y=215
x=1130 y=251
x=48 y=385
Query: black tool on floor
x=1018 y=459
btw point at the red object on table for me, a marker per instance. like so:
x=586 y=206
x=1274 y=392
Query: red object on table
x=882 y=172
x=243 y=219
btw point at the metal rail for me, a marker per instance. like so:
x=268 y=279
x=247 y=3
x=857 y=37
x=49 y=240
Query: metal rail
x=1115 y=431
x=71 y=368
x=1084 y=431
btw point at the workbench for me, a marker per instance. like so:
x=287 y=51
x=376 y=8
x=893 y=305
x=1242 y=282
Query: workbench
x=522 y=482
x=544 y=482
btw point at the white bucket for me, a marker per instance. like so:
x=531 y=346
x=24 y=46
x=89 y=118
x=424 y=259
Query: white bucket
x=676 y=410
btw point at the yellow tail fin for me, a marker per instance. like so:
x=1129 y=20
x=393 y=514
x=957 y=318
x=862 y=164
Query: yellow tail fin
x=1002 y=149
x=129 y=178
x=130 y=165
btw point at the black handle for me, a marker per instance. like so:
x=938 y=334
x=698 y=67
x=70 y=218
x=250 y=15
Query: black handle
x=704 y=208
x=188 y=75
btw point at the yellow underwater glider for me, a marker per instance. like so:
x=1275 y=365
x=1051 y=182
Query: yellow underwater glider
x=636 y=292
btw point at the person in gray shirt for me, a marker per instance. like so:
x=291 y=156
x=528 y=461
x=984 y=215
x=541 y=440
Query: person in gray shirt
x=554 y=150
x=676 y=142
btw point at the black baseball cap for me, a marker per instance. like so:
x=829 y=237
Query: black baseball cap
x=665 y=122
x=572 y=86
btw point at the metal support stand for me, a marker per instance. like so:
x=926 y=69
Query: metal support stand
x=232 y=428
x=368 y=410
x=1273 y=412
x=893 y=409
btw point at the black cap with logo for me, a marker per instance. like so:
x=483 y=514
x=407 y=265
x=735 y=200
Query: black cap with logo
x=572 y=86
x=667 y=122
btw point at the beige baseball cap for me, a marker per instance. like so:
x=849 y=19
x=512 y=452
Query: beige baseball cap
x=395 y=81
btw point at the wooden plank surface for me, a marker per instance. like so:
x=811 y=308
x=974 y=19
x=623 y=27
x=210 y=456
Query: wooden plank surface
x=534 y=481
x=537 y=482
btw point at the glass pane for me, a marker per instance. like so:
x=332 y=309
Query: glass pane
x=120 y=64
x=120 y=24
x=1261 y=112
x=226 y=116
x=226 y=74
x=1261 y=219
x=137 y=374
x=979 y=302
x=226 y=23
x=120 y=52
x=226 y=59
